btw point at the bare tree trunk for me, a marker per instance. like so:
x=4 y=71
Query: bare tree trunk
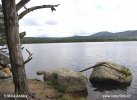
x=11 y=19
x=13 y=40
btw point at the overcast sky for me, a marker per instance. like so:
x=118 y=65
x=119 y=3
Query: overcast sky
x=80 y=17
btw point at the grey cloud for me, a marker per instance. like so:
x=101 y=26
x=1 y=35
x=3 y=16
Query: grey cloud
x=51 y=22
x=31 y=22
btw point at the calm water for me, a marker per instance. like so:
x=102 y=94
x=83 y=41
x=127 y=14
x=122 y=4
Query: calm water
x=78 y=56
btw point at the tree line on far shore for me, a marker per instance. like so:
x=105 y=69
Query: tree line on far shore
x=29 y=40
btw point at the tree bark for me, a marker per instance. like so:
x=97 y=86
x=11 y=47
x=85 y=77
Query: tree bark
x=21 y=4
x=11 y=20
x=13 y=40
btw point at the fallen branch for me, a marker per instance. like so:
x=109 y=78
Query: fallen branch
x=21 y=15
x=29 y=57
x=93 y=66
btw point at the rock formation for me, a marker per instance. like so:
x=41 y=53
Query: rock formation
x=107 y=72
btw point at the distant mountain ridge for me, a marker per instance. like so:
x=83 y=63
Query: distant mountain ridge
x=105 y=34
x=97 y=37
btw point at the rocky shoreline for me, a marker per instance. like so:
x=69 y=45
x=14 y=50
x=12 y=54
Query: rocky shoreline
x=41 y=90
x=59 y=82
x=67 y=81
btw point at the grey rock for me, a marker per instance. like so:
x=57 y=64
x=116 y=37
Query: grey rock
x=107 y=72
x=75 y=81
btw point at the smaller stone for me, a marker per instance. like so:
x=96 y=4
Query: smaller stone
x=3 y=75
x=40 y=72
x=7 y=71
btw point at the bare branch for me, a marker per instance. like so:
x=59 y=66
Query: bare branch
x=29 y=57
x=21 y=4
x=21 y=15
x=101 y=63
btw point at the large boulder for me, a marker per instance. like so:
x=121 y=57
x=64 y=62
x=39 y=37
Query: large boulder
x=107 y=72
x=75 y=81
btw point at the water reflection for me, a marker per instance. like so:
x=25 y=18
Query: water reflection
x=109 y=87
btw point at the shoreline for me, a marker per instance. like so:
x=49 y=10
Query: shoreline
x=40 y=89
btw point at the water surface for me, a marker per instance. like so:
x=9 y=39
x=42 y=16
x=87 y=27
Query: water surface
x=78 y=56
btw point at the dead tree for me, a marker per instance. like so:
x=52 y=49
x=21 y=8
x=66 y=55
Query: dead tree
x=11 y=20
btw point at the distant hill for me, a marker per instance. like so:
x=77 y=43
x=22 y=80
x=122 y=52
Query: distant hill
x=97 y=37
x=103 y=34
x=118 y=35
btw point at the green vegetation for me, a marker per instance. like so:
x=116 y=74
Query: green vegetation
x=29 y=40
x=2 y=28
x=98 y=37
x=67 y=97
x=33 y=79
x=125 y=71
x=62 y=91
x=60 y=88
x=3 y=40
